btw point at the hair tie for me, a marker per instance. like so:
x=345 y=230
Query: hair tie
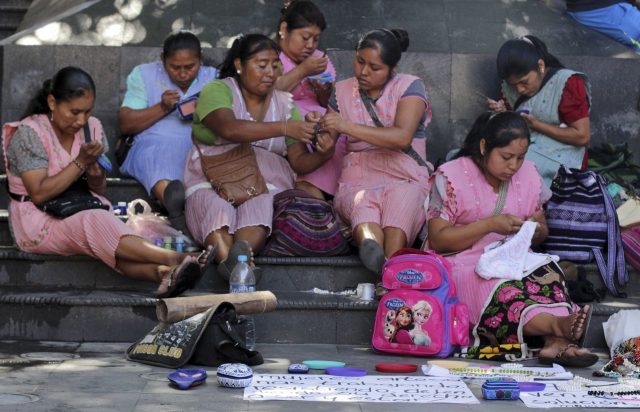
x=526 y=40
x=286 y=4
x=388 y=32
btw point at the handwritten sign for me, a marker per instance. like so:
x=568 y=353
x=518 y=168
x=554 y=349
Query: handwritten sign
x=553 y=397
x=383 y=388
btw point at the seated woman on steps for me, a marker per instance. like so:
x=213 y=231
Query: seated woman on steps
x=162 y=138
x=481 y=197
x=554 y=101
x=299 y=31
x=46 y=153
x=384 y=180
x=243 y=107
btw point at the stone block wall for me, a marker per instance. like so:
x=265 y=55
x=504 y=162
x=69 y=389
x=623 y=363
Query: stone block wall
x=452 y=80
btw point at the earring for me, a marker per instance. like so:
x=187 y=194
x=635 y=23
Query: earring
x=542 y=72
x=51 y=118
x=238 y=71
x=281 y=34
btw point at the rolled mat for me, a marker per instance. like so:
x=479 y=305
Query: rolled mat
x=176 y=309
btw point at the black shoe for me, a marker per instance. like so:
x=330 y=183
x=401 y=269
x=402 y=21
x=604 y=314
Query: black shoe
x=372 y=255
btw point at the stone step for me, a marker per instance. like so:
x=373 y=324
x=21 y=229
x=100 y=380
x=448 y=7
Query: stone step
x=124 y=316
x=118 y=190
x=41 y=272
x=72 y=315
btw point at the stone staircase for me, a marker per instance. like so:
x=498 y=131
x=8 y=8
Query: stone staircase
x=11 y=14
x=453 y=50
x=79 y=299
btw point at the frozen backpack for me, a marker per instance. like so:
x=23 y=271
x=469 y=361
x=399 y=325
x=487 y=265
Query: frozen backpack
x=421 y=314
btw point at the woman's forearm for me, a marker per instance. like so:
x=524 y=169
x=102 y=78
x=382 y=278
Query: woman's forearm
x=387 y=137
x=576 y=134
x=42 y=188
x=134 y=121
x=450 y=238
x=290 y=80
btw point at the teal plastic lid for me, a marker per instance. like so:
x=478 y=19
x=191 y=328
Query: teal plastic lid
x=323 y=364
x=242 y=258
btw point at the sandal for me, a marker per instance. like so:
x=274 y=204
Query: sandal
x=204 y=266
x=576 y=361
x=585 y=327
x=372 y=255
x=181 y=278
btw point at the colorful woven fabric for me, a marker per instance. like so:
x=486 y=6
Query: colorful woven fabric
x=304 y=226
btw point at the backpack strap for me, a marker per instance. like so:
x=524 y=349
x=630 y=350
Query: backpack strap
x=615 y=252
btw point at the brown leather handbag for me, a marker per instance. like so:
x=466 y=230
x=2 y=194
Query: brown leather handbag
x=234 y=174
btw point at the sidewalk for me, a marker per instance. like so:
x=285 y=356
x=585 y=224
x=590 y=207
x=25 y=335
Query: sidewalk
x=98 y=378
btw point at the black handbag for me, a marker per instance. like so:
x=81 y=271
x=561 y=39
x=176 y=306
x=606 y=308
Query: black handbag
x=210 y=338
x=75 y=199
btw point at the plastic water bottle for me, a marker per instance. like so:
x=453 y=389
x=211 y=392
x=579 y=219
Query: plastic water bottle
x=179 y=244
x=243 y=280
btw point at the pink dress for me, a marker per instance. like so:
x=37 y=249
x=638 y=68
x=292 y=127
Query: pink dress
x=379 y=185
x=472 y=199
x=207 y=212
x=326 y=176
x=91 y=232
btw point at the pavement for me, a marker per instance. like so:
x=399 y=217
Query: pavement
x=97 y=377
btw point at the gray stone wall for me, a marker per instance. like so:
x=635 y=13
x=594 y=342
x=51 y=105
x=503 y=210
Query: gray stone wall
x=451 y=81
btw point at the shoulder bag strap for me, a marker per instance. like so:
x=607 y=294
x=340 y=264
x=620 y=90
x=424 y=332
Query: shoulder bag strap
x=615 y=253
x=374 y=116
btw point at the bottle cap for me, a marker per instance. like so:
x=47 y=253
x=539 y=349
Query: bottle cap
x=167 y=239
x=122 y=203
x=242 y=258
x=179 y=239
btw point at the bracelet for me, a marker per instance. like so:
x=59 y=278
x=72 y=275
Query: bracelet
x=285 y=126
x=79 y=165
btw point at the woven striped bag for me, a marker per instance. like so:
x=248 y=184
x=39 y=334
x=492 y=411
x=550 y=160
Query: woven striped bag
x=304 y=226
x=583 y=225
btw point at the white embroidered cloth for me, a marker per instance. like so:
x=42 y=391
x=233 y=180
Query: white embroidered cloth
x=511 y=258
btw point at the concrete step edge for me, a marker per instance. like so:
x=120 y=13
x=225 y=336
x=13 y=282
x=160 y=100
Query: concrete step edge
x=10 y=252
x=286 y=301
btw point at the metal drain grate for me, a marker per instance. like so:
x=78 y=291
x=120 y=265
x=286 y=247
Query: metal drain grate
x=49 y=356
x=16 y=398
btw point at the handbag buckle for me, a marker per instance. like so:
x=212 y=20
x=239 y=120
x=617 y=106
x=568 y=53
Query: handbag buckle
x=251 y=191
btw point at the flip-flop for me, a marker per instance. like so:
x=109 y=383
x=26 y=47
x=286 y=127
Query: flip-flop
x=577 y=361
x=240 y=247
x=210 y=258
x=181 y=278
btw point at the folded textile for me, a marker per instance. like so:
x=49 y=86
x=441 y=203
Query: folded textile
x=511 y=257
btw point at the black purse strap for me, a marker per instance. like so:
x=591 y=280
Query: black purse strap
x=366 y=100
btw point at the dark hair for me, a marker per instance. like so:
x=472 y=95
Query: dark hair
x=519 y=57
x=498 y=130
x=390 y=44
x=68 y=83
x=302 y=13
x=243 y=48
x=182 y=40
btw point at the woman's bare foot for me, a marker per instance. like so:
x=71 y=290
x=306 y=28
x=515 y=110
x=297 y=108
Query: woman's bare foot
x=553 y=346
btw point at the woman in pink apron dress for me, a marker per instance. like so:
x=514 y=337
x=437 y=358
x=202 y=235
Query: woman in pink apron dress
x=299 y=32
x=44 y=154
x=385 y=178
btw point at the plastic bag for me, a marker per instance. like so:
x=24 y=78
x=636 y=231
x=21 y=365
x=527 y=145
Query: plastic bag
x=621 y=326
x=151 y=226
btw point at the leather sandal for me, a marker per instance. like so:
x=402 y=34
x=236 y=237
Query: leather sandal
x=181 y=278
x=576 y=361
x=574 y=324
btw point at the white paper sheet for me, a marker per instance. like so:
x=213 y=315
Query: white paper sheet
x=553 y=397
x=375 y=388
